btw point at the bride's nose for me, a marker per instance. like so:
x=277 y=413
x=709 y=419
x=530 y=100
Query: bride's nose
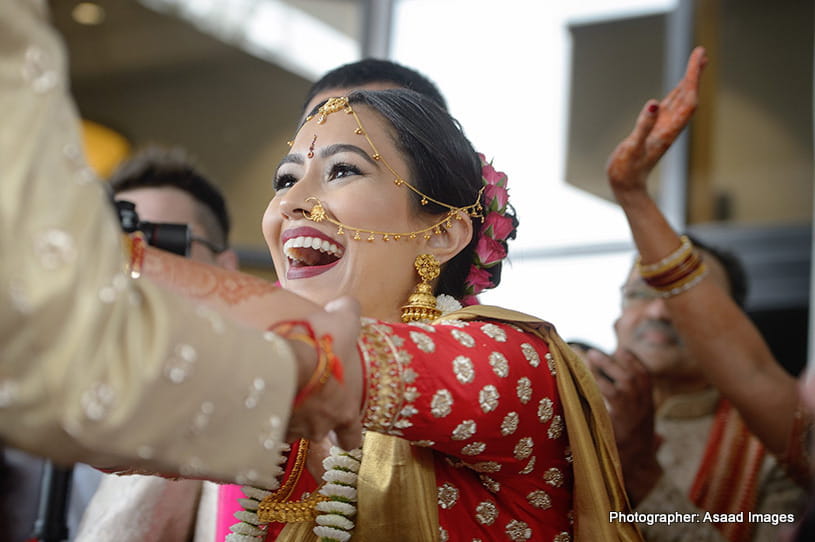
x=295 y=201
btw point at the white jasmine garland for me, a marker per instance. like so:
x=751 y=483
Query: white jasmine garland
x=247 y=530
x=347 y=463
x=336 y=507
x=340 y=477
x=331 y=534
x=344 y=492
x=335 y=520
x=234 y=537
x=249 y=504
x=334 y=524
x=447 y=304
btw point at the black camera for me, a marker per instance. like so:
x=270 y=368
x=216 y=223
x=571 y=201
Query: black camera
x=173 y=238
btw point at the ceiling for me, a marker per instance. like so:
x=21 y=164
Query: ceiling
x=135 y=38
x=157 y=79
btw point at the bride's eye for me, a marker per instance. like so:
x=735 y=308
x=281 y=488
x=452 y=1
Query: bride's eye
x=284 y=180
x=343 y=169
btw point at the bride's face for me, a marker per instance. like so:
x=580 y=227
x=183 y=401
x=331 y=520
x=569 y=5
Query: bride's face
x=315 y=259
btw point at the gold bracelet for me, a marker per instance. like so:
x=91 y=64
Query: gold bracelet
x=677 y=273
x=668 y=261
x=685 y=283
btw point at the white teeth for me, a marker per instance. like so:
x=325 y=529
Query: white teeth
x=311 y=242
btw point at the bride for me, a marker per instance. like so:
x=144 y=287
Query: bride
x=480 y=423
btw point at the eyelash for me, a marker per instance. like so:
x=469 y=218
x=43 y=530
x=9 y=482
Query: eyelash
x=287 y=180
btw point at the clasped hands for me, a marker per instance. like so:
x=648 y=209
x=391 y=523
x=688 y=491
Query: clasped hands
x=333 y=405
x=626 y=387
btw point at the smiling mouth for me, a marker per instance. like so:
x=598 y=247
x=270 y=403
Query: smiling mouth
x=307 y=251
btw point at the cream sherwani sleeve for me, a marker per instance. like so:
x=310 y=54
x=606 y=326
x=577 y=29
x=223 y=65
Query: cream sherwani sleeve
x=95 y=366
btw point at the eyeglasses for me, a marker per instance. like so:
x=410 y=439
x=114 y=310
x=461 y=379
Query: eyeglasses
x=215 y=249
x=638 y=293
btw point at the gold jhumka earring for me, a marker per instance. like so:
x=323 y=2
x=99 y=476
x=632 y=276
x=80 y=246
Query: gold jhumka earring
x=421 y=304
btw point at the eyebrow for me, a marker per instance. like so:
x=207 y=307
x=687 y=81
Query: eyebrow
x=337 y=148
x=325 y=152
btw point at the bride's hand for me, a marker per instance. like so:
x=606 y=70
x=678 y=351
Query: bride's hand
x=335 y=405
x=657 y=127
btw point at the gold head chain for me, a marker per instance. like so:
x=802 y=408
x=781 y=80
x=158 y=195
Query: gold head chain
x=319 y=214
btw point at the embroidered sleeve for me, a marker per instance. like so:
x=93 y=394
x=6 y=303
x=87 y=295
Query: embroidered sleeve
x=481 y=392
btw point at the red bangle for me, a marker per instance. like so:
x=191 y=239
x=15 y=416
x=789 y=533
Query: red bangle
x=328 y=364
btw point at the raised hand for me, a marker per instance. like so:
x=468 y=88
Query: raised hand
x=657 y=127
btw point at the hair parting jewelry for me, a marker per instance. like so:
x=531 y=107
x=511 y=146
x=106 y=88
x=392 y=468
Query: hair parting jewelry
x=421 y=304
x=318 y=213
x=311 y=147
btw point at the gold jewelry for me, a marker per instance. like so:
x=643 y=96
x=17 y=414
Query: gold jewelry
x=679 y=272
x=318 y=213
x=421 y=304
x=277 y=507
x=685 y=248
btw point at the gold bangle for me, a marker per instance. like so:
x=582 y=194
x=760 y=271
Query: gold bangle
x=668 y=261
x=685 y=283
x=683 y=269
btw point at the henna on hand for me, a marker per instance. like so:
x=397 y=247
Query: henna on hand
x=657 y=127
x=201 y=281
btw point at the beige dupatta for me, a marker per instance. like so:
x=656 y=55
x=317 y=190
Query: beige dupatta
x=397 y=489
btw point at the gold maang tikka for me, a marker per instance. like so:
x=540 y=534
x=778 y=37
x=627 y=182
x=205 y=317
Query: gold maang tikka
x=319 y=214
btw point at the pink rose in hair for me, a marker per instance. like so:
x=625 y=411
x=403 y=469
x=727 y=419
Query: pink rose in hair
x=469 y=300
x=478 y=280
x=490 y=176
x=489 y=251
x=497 y=226
x=496 y=197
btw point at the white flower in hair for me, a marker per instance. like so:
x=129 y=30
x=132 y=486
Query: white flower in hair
x=447 y=304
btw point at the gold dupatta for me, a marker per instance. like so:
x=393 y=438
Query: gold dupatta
x=396 y=487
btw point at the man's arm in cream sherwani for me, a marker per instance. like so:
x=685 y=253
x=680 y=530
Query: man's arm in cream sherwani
x=95 y=366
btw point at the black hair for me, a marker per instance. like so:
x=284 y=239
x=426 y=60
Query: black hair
x=156 y=166
x=443 y=165
x=374 y=70
x=733 y=268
